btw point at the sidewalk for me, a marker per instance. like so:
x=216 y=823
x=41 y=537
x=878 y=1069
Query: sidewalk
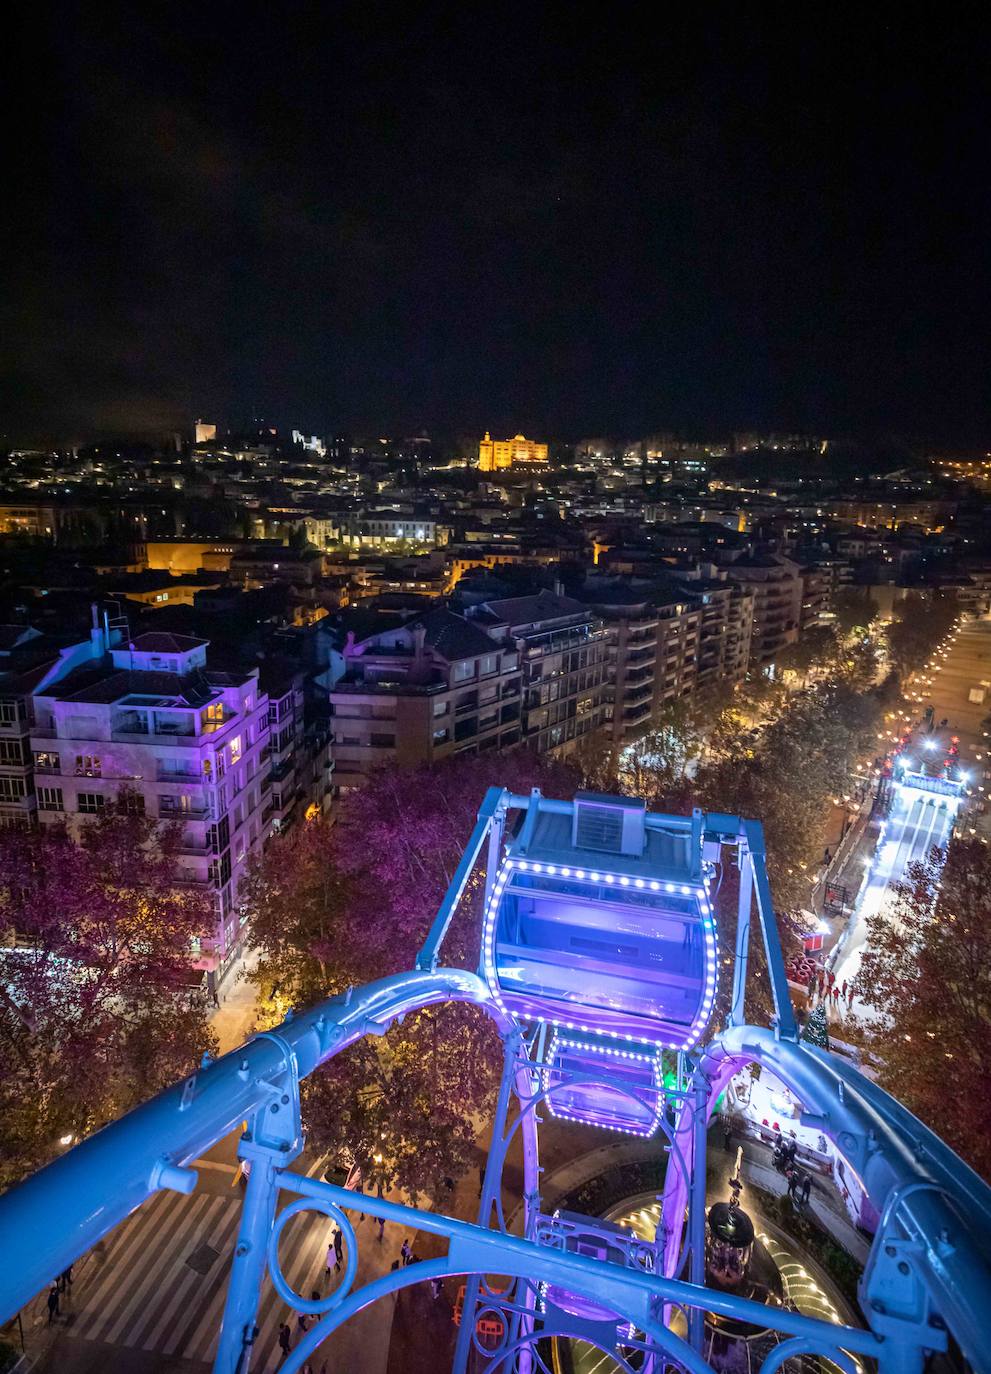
x=234 y=1020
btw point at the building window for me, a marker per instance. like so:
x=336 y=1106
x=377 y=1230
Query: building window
x=90 y=803
x=214 y=712
x=50 y=799
x=88 y=766
x=11 y=789
x=490 y=663
x=8 y=712
x=440 y=736
x=11 y=751
x=465 y=670
x=132 y=804
x=235 y=748
x=46 y=762
x=440 y=707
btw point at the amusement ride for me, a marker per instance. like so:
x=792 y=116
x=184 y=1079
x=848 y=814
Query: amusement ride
x=600 y=966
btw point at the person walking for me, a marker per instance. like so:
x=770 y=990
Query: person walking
x=792 y=1182
x=835 y=994
x=830 y=979
x=406 y=1250
x=812 y=986
x=821 y=982
x=338 y=1247
x=849 y=999
x=302 y=1324
x=806 y=1188
x=285 y=1340
x=53 y=1305
x=331 y=1262
x=436 y=1288
x=843 y=989
x=381 y=1234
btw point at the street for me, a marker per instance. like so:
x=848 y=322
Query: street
x=912 y=828
x=916 y=824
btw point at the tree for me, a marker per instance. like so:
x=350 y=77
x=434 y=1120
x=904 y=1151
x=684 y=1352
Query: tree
x=816 y=1029
x=95 y=1005
x=923 y=618
x=854 y=610
x=926 y=974
x=817 y=648
x=343 y=904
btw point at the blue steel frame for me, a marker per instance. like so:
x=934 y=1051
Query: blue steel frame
x=929 y=1270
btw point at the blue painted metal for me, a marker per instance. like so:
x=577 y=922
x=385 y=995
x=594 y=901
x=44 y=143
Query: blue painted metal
x=494 y=803
x=737 y=1014
x=929 y=1269
x=638 y=1296
x=753 y=834
x=941 y=1230
x=51 y=1218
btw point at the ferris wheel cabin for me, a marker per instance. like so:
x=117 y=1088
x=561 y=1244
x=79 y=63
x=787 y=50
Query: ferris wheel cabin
x=599 y=923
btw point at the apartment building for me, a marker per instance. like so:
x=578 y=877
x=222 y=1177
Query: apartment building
x=419 y=691
x=563 y=651
x=776 y=583
x=300 y=765
x=17 y=803
x=726 y=612
x=187 y=743
x=652 y=640
x=817 y=596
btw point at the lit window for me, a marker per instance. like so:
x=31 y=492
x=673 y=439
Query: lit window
x=235 y=748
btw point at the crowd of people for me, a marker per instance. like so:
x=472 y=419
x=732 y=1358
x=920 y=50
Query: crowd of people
x=824 y=988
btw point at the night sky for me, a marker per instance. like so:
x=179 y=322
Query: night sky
x=519 y=218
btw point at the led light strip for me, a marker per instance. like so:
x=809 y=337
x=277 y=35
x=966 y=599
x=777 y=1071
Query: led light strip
x=654 y=1060
x=620 y=880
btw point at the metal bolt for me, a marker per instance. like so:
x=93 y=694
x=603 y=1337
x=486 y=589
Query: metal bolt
x=889 y=1250
x=902 y=1267
x=275 y=1107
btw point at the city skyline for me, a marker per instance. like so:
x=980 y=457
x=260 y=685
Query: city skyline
x=463 y=225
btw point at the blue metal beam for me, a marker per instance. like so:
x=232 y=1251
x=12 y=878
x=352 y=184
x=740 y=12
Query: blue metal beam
x=51 y=1218
x=494 y=801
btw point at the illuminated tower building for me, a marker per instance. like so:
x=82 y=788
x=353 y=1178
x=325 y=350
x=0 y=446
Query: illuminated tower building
x=496 y=454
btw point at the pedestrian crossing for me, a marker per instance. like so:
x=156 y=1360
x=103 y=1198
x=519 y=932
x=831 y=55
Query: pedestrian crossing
x=160 y=1280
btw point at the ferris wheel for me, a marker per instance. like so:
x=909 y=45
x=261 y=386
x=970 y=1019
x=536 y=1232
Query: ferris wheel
x=600 y=965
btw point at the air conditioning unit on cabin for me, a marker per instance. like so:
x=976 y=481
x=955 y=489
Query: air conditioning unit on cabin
x=610 y=825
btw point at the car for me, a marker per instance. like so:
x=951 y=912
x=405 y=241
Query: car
x=342 y=1171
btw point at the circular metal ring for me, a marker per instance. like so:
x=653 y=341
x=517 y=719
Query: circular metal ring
x=279 y=1282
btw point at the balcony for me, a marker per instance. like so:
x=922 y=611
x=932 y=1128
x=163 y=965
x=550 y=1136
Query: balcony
x=638 y=691
x=194 y=844
x=197 y=812
x=190 y=774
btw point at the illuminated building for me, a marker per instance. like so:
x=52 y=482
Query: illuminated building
x=188 y=744
x=496 y=454
x=205 y=433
